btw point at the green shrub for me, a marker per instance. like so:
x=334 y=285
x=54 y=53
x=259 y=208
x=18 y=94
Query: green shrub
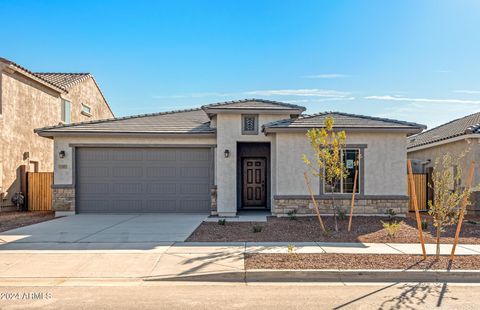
x=291 y=249
x=292 y=214
x=341 y=214
x=222 y=222
x=424 y=224
x=391 y=214
x=257 y=228
x=391 y=227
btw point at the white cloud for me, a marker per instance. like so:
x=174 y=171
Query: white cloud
x=424 y=100
x=313 y=92
x=464 y=91
x=326 y=76
x=192 y=95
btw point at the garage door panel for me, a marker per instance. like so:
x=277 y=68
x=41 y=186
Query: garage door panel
x=135 y=180
x=162 y=188
x=161 y=155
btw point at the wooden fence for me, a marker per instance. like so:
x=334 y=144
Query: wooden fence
x=421 y=191
x=39 y=191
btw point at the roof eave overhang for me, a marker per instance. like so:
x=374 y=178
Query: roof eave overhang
x=53 y=134
x=12 y=68
x=409 y=131
x=444 y=141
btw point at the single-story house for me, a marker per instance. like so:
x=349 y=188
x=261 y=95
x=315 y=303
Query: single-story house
x=454 y=137
x=222 y=158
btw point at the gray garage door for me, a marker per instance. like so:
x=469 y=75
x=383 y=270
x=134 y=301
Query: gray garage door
x=141 y=180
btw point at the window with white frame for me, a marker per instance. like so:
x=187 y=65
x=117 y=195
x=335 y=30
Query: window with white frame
x=86 y=110
x=66 y=111
x=351 y=160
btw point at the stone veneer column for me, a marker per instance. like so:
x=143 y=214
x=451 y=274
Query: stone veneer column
x=213 y=201
x=63 y=198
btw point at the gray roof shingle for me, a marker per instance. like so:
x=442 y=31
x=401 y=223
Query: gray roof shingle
x=193 y=121
x=343 y=120
x=466 y=125
x=253 y=104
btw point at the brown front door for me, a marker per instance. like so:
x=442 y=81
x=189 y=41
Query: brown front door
x=254 y=177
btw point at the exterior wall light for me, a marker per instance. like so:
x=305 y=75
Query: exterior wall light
x=61 y=154
x=226 y=153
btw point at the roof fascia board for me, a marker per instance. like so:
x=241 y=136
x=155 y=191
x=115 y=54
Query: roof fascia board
x=445 y=141
x=412 y=130
x=51 y=134
x=252 y=111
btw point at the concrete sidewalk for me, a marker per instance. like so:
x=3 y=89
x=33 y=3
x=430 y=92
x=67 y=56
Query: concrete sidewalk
x=177 y=261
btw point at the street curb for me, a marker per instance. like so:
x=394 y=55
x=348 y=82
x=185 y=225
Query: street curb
x=459 y=276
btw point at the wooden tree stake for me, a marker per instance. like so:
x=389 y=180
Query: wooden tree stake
x=314 y=202
x=462 y=211
x=415 y=205
x=352 y=205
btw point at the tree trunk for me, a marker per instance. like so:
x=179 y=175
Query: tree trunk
x=334 y=209
x=438 y=243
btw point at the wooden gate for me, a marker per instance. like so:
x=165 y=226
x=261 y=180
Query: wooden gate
x=39 y=191
x=421 y=188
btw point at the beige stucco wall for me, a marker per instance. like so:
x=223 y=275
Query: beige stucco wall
x=63 y=170
x=455 y=148
x=27 y=105
x=384 y=163
x=229 y=132
x=87 y=92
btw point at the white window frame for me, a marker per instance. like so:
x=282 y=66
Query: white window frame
x=64 y=114
x=84 y=112
x=357 y=190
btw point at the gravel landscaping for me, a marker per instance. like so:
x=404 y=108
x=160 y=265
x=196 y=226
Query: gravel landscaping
x=306 y=229
x=362 y=261
x=11 y=220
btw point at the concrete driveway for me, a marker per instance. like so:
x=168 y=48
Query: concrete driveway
x=113 y=229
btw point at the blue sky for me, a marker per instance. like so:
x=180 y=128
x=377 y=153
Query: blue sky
x=410 y=60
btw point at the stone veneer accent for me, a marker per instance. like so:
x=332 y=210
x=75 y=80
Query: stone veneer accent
x=63 y=198
x=213 y=201
x=362 y=206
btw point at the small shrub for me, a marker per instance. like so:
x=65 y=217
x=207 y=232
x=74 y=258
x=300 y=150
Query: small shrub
x=292 y=215
x=341 y=214
x=391 y=214
x=391 y=227
x=424 y=224
x=222 y=222
x=257 y=228
x=291 y=249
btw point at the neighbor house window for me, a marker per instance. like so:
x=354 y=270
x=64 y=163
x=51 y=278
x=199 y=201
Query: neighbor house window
x=66 y=111
x=86 y=110
x=249 y=124
x=350 y=159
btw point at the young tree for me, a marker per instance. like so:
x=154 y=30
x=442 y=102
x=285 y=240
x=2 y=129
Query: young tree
x=447 y=194
x=327 y=164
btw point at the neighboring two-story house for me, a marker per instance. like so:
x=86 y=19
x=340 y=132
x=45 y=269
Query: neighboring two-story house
x=29 y=100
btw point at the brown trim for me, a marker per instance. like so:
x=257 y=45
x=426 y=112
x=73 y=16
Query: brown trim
x=343 y=196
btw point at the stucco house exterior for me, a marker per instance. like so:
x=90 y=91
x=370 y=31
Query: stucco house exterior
x=454 y=137
x=222 y=158
x=29 y=100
